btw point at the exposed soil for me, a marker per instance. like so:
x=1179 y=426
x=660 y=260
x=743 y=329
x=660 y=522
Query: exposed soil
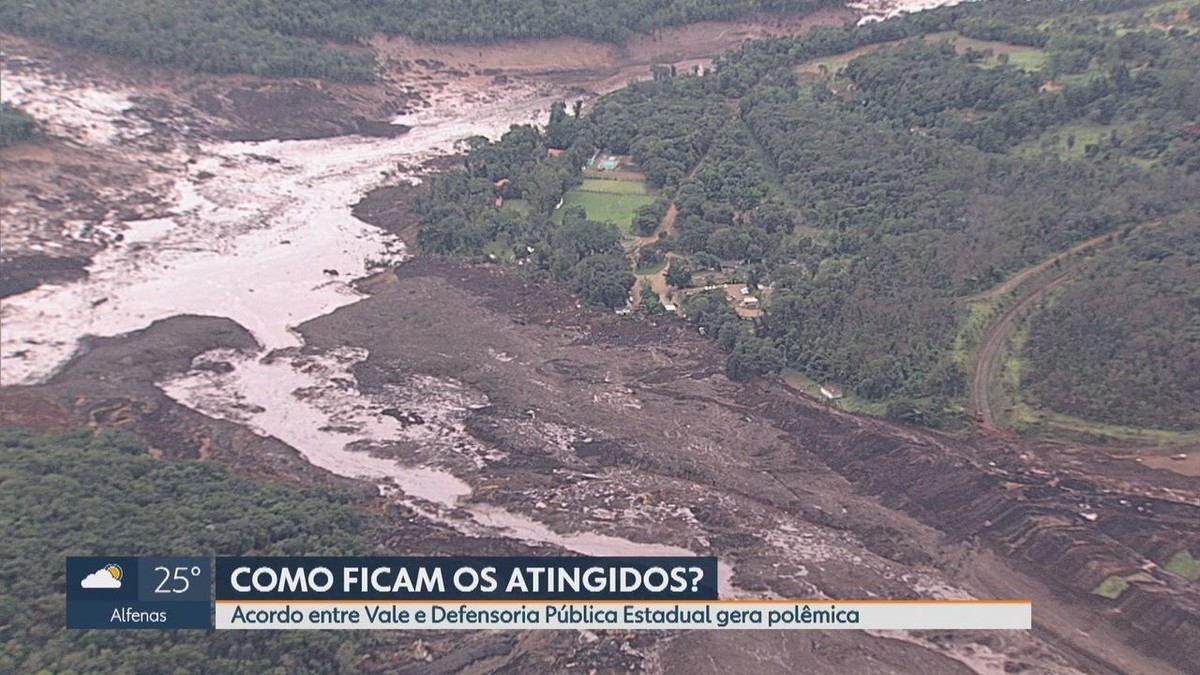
x=800 y=498
x=592 y=68
x=390 y=208
x=592 y=62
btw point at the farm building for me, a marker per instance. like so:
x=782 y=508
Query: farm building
x=831 y=392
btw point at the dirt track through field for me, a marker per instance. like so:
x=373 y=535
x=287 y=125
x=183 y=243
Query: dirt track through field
x=983 y=372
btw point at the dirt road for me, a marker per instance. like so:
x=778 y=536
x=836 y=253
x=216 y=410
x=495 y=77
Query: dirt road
x=983 y=373
x=983 y=369
x=1029 y=272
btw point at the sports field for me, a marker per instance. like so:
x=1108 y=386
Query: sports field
x=608 y=200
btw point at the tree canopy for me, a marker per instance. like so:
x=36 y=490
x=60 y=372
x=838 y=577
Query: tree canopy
x=16 y=125
x=102 y=494
x=278 y=38
x=870 y=199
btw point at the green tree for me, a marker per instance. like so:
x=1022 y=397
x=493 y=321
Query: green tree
x=15 y=125
x=603 y=280
x=679 y=274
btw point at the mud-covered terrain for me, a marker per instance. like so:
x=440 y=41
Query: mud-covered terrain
x=527 y=421
x=181 y=259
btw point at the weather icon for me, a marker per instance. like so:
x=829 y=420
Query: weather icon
x=108 y=576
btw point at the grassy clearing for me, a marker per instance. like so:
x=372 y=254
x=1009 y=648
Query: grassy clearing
x=1111 y=588
x=1026 y=58
x=1151 y=16
x=830 y=65
x=606 y=207
x=797 y=380
x=1184 y=565
x=500 y=249
x=1054 y=426
x=516 y=205
x=615 y=186
x=651 y=269
x=978 y=318
x=1081 y=78
x=1069 y=141
x=1006 y=388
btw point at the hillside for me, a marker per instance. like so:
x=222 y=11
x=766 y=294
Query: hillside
x=312 y=38
x=1122 y=343
x=102 y=494
x=861 y=183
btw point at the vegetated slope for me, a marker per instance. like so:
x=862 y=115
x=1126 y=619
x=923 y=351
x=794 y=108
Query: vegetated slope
x=85 y=494
x=277 y=38
x=16 y=125
x=872 y=198
x=1122 y=343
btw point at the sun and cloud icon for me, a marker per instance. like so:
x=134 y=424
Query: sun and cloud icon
x=108 y=576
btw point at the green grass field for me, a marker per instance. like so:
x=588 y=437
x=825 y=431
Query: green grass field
x=1184 y=565
x=650 y=269
x=612 y=201
x=1056 y=141
x=978 y=317
x=614 y=186
x=1028 y=59
x=499 y=249
x=1111 y=588
x=797 y=380
x=516 y=205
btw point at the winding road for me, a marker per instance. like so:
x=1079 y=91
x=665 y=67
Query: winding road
x=984 y=366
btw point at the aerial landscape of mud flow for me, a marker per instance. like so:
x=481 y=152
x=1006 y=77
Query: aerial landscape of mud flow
x=889 y=300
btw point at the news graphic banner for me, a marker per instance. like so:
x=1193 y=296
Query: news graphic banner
x=514 y=593
x=124 y=592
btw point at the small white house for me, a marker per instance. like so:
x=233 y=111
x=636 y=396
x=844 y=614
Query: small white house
x=670 y=307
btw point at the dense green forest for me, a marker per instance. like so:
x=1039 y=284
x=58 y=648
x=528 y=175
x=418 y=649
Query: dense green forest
x=277 y=38
x=1122 y=343
x=869 y=178
x=101 y=494
x=16 y=125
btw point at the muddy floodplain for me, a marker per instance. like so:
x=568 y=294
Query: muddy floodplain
x=560 y=427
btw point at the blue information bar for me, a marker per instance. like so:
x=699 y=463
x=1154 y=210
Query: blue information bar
x=126 y=592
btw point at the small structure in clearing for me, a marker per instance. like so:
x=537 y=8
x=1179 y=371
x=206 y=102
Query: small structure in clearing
x=831 y=391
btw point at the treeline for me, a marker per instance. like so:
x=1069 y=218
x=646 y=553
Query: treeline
x=16 y=125
x=101 y=494
x=276 y=38
x=1122 y=343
